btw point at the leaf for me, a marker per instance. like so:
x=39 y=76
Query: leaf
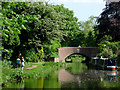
x=5 y=35
x=5 y=30
x=23 y=27
x=37 y=19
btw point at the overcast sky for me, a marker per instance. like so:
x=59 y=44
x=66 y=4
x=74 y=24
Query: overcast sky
x=83 y=9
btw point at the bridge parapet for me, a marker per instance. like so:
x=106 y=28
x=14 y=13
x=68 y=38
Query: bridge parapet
x=85 y=51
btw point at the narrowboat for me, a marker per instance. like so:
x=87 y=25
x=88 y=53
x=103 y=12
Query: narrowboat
x=104 y=63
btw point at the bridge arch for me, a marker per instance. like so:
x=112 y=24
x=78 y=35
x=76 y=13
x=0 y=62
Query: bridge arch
x=80 y=54
x=88 y=52
x=76 y=54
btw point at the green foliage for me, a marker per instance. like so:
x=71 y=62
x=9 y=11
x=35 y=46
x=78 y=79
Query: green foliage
x=88 y=25
x=108 y=49
x=26 y=29
x=30 y=26
x=18 y=75
x=76 y=58
x=68 y=24
x=118 y=60
x=82 y=34
x=6 y=71
x=51 y=49
x=88 y=29
x=32 y=56
x=90 y=40
x=107 y=53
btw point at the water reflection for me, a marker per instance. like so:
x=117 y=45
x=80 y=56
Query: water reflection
x=69 y=80
x=66 y=77
x=89 y=78
x=112 y=76
x=34 y=83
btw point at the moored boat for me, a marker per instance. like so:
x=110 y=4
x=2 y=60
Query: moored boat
x=104 y=63
x=111 y=68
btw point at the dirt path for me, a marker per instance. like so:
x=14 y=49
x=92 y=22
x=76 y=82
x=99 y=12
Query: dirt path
x=34 y=66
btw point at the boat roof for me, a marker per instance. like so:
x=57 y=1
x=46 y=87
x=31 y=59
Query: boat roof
x=95 y=58
x=102 y=58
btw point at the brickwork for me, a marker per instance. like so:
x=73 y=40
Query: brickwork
x=85 y=51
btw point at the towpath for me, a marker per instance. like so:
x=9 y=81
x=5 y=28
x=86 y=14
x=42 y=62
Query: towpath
x=34 y=66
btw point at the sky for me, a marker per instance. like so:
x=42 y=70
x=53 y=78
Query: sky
x=82 y=9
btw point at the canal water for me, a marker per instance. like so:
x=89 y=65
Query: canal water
x=75 y=75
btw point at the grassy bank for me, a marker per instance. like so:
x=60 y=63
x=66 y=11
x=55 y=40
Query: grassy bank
x=18 y=75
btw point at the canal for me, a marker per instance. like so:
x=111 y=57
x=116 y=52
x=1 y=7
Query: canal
x=74 y=75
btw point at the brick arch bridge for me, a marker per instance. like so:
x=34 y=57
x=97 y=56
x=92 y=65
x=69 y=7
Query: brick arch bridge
x=88 y=52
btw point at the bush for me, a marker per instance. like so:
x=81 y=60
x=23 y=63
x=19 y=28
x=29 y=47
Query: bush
x=107 y=53
x=6 y=70
x=33 y=56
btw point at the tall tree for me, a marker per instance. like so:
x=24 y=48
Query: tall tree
x=109 y=22
x=69 y=24
x=88 y=30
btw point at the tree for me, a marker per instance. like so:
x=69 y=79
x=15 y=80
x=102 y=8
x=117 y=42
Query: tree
x=10 y=38
x=69 y=24
x=109 y=22
x=108 y=49
x=88 y=25
x=17 y=32
x=88 y=30
x=51 y=49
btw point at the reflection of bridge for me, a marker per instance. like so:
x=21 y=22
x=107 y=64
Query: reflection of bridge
x=92 y=75
x=88 y=75
x=88 y=52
